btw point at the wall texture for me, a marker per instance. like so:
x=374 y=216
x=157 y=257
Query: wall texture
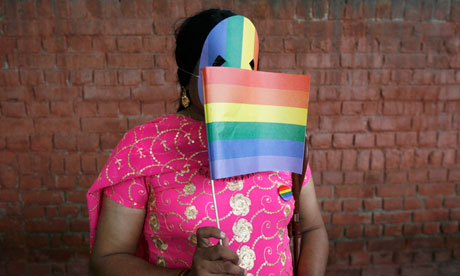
x=384 y=119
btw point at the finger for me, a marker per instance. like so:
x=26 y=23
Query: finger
x=225 y=268
x=219 y=252
x=225 y=242
x=204 y=233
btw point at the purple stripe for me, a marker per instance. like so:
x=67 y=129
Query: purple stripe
x=239 y=166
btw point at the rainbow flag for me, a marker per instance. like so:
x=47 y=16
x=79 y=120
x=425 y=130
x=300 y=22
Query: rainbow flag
x=255 y=121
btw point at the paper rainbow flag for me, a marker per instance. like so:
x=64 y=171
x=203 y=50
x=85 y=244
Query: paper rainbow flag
x=255 y=121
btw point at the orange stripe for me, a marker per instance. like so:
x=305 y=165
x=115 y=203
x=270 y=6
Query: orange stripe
x=225 y=93
x=236 y=76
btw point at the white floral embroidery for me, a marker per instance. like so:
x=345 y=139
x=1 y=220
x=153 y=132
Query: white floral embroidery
x=283 y=258
x=287 y=210
x=191 y=212
x=242 y=230
x=189 y=189
x=240 y=204
x=247 y=257
x=235 y=185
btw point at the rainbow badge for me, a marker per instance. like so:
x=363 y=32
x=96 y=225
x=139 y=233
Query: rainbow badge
x=285 y=192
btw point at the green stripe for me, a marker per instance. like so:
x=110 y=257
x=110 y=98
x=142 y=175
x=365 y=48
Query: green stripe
x=234 y=45
x=251 y=130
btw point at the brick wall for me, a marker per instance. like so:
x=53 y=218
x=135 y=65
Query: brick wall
x=384 y=119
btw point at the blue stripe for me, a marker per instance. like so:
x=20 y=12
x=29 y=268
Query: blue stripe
x=218 y=41
x=228 y=149
x=240 y=166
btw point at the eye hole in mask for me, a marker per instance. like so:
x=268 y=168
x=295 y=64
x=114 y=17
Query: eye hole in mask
x=218 y=61
x=252 y=64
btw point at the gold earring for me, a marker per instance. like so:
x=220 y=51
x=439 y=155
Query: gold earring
x=184 y=99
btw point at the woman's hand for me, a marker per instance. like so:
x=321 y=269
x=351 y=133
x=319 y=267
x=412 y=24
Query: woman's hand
x=214 y=259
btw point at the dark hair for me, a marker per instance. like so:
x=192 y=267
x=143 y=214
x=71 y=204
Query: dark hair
x=190 y=37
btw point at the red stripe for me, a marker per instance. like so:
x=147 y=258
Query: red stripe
x=236 y=76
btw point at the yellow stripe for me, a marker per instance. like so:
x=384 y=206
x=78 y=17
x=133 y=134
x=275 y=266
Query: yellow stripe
x=247 y=53
x=235 y=112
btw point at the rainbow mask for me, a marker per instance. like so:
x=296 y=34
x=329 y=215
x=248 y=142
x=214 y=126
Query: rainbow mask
x=231 y=43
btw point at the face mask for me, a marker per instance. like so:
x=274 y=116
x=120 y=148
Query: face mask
x=231 y=43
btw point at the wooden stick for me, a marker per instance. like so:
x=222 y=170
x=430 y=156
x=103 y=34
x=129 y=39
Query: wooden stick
x=215 y=206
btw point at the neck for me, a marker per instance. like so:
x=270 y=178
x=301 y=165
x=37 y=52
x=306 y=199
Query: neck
x=193 y=112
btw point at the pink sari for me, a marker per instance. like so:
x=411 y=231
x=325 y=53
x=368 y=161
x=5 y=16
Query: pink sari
x=162 y=166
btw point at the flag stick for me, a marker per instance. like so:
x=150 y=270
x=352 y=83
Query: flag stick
x=215 y=206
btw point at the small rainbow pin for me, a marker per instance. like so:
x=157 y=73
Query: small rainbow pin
x=285 y=192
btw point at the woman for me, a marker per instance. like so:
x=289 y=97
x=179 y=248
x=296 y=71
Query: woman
x=151 y=210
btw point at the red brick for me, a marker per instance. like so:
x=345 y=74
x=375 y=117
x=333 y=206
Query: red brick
x=404 y=61
x=154 y=93
x=321 y=141
x=18 y=143
x=104 y=44
x=55 y=77
x=431 y=228
x=132 y=61
x=86 y=109
x=349 y=159
x=156 y=44
x=47 y=226
x=99 y=125
x=9 y=78
x=393 y=230
x=385 y=245
x=130 y=44
x=130 y=77
x=342 y=140
x=406 y=139
x=62 y=109
x=385 y=139
x=106 y=93
x=81 y=61
x=449 y=227
x=350 y=191
x=388 y=123
x=79 y=226
x=109 y=141
x=76 y=196
x=439 y=122
x=79 y=43
x=43 y=197
x=372 y=204
x=108 y=109
x=427 y=139
x=331 y=205
x=352 y=205
x=65 y=142
x=14 y=109
x=81 y=77
x=396 y=190
x=56 y=125
x=432 y=215
x=347 y=247
x=412 y=229
x=16 y=126
x=429 y=243
x=454 y=175
x=437 y=175
x=392 y=203
x=433 y=203
x=447 y=139
x=351 y=108
x=31 y=77
x=153 y=77
x=57 y=93
x=130 y=109
x=332 y=177
x=364 y=140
